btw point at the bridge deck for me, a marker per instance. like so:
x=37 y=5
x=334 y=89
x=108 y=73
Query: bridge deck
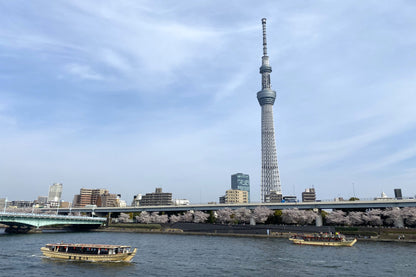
x=39 y=220
x=367 y=204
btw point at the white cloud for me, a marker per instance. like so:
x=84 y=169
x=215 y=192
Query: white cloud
x=83 y=71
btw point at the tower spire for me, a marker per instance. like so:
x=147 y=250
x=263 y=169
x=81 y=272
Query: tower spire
x=263 y=21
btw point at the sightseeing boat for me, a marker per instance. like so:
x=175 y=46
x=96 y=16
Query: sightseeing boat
x=323 y=240
x=89 y=252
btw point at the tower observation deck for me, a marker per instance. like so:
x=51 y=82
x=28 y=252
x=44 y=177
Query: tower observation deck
x=270 y=180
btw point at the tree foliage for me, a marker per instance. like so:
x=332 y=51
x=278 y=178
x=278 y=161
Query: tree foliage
x=260 y=214
x=124 y=218
x=295 y=216
x=224 y=215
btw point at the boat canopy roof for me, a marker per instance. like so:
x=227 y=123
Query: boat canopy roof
x=88 y=245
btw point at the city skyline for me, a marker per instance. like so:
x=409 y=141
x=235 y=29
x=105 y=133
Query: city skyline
x=130 y=97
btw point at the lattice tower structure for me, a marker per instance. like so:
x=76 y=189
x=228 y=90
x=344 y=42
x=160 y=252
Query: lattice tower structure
x=270 y=179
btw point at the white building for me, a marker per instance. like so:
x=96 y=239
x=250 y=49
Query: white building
x=55 y=193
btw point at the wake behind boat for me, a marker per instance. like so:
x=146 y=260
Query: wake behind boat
x=323 y=240
x=89 y=252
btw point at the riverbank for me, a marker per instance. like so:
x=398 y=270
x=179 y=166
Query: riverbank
x=267 y=231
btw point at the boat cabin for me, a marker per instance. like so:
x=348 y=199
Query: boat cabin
x=88 y=249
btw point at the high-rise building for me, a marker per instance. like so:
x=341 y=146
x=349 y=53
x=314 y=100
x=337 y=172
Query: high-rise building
x=55 y=193
x=88 y=197
x=3 y=203
x=108 y=200
x=241 y=181
x=398 y=193
x=270 y=180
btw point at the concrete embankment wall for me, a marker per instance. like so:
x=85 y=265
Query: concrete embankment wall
x=247 y=229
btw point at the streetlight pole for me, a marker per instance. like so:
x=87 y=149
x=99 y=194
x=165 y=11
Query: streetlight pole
x=353 y=189
x=5 y=205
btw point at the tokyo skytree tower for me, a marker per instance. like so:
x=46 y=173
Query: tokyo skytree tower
x=270 y=180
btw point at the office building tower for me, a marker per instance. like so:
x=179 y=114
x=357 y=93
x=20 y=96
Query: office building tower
x=55 y=193
x=241 y=181
x=270 y=180
x=88 y=197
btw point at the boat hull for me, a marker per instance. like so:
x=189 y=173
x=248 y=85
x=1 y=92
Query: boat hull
x=120 y=257
x=348 y=243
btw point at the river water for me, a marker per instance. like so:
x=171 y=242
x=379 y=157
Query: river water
x=190 y=255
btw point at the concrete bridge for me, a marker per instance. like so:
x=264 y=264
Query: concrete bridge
x=360 y=204
x=23 y=222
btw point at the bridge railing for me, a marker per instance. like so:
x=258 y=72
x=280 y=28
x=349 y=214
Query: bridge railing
x=52 y=216
x=364 y=199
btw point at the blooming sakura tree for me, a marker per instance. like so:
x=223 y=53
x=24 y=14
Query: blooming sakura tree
x=260 y=214
x=156 y=218
x=372 y=217
x=289 y=217
x=174 y=218
x=393 y=217
x=144 y=217
x=336 y=217
x=224 y=215
x=295 y=216
x=409 y=216
x=242 y=215
x=124 y=218
x=187 y=217
x=200 y=217
x=354 y=218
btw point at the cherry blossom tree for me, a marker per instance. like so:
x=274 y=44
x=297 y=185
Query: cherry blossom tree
x=156 y=218
x=200 y=217
x=296 y=216
x=174 y=218
x=336 y=217
x=260 y=214
x=354 y=218
x=187 y=217
x=372 y=217
x=288 y=216
x=224 y=215
x=393 y=217
x=409 y=216
x=124 y=218
x=243 y=215
x=144 y=217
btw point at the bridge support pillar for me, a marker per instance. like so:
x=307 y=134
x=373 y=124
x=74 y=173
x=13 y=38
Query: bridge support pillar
x=18 y=229
x=318 y=219
x=399 y=223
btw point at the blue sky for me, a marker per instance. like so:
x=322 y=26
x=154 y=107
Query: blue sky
x=133 y=95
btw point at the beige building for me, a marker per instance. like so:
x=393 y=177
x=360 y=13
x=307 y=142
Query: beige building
x=88 y=197
x=236 y=196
